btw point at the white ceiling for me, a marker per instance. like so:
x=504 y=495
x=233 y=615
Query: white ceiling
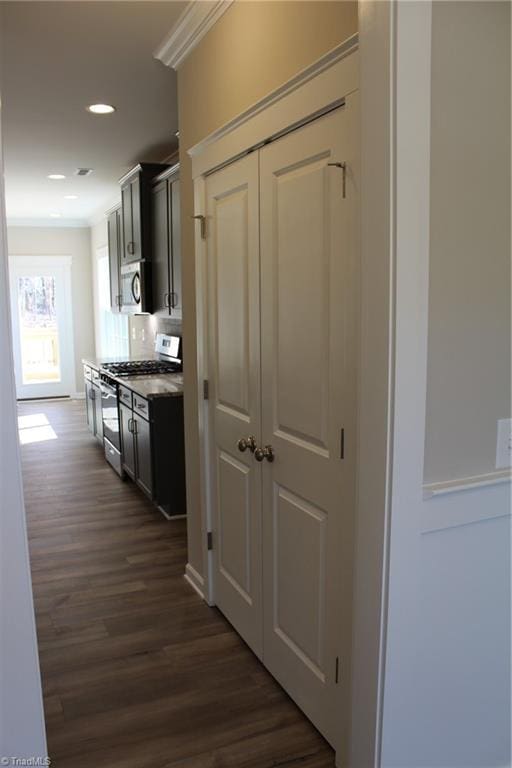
x=58 y=57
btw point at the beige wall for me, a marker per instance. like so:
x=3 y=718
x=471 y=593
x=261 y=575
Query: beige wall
x=65 y=241
x=254 y=48
x=469 y=315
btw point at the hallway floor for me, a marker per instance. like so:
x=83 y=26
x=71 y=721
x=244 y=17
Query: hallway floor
x=138 y=672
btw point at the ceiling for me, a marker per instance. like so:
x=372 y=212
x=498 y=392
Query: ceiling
x=58 y=57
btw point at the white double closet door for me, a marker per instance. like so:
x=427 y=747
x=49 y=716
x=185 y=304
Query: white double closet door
x=281 y=297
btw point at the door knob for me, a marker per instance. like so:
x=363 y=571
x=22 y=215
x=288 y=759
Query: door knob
x=247 y=443
x=264 y=453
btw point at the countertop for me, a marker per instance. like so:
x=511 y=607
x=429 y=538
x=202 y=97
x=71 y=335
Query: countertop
x=148 y=386
x=159 y=385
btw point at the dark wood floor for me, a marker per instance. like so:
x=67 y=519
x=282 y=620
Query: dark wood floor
x=138 y=672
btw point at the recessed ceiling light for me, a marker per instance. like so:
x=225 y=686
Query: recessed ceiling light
x=56 y=176
x=70 y=197
x=101 y=109
x=55 y=215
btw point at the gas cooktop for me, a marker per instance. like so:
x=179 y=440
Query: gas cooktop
x=141 y=367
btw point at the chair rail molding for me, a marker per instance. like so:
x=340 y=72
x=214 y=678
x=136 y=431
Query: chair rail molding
x=193 y=24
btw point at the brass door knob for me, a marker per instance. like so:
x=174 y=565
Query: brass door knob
x=247 y=443
x=264 y=453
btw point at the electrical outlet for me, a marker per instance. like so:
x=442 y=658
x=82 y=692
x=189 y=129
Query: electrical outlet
x=504 y=444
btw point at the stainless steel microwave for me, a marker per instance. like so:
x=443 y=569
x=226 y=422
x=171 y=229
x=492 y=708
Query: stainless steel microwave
x=135 y=287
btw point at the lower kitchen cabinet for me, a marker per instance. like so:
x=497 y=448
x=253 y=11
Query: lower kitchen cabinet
x=127 y=440
x=153 y=448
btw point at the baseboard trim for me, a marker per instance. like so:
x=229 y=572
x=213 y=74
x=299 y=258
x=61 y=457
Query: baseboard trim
x=195 y=580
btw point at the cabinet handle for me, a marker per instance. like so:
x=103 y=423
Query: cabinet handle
x=92 y=394
x=130 y=247
x=130 y=427
x=119 y=301
x=134 y=427
x=142 y=406
x=174 y=300
x=167 y=300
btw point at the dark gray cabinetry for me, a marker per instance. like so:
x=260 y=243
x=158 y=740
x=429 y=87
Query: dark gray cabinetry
x=153 y=448
x=115 y=250
x=166 y=231
x=143 y=443
x=136 y=212
x=136 y=443
x=127 y=440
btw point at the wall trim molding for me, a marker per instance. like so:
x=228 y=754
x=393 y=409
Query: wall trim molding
x=192 y=25
x=326 y=61
x=472 y=482
x=195 y=580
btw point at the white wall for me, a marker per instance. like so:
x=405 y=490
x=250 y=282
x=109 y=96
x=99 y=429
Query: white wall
x=99 y=239
x=447 y=662
x=21 y=712
x=65 y=241
x=468 y=386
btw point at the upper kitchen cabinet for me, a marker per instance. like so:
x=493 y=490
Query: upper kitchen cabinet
x=136 y=212
x=166 y=262
x=115 y=248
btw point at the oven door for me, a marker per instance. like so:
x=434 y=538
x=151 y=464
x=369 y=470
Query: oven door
x=110 y=414
x=135 y=288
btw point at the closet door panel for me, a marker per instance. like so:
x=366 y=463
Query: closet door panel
x=234 y=401
x=308 y=290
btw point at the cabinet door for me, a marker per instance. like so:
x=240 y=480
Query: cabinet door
x=126 y=222
x=127 y=439
x=136 y=220
x=89 y=405
x=174 y=218
x=143 y=443
x=113 y=259
x=160 y=255
x=98 y=416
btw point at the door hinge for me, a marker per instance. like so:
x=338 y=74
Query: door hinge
x=337 y=671
x=206 y=389
x=342 y=443
x=209 y=540
x=343 y=167
x=202 y=219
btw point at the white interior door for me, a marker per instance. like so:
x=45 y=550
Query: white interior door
x=42 y=326
x=234 y=375
x=308 y=289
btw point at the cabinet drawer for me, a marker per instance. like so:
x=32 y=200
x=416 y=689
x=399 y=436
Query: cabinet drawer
x=125 y=396
x=141 y=405
x=87 y=372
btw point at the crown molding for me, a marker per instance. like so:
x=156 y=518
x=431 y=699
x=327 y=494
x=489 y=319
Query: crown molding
x=196 y=20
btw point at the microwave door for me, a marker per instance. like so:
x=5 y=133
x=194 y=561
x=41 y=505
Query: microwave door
x=130 y=287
